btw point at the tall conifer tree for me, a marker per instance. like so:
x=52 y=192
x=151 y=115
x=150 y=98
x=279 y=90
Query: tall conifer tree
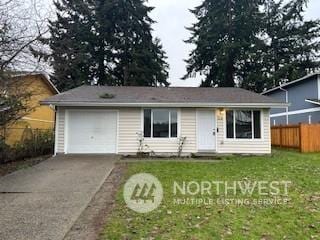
x=292 y=50
x=71 y=43
x=139 y=59
x=224 y=33
x=105 y=42
x=253 y=44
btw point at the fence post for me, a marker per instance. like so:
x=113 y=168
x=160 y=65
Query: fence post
x=301 y=143
x=280 y=127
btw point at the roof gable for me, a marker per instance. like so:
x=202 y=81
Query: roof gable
x=43 y=76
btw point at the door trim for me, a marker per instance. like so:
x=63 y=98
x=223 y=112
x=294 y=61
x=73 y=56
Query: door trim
x=214 y=112
x=66 y=124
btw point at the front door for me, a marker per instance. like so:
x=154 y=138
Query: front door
x=206 y=130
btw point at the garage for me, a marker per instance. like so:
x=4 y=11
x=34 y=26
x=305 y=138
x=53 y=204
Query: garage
x=91 y=131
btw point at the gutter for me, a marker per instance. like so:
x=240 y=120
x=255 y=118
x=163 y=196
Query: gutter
x=200 y=105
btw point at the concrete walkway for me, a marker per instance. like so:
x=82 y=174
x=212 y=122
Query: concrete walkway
x=43 y=202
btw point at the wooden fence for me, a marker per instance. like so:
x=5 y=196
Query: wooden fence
x=305 y=137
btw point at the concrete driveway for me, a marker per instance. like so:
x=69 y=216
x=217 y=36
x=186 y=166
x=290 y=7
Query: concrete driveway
x=43 y=202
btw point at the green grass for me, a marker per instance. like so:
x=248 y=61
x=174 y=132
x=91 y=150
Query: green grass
x=300 y=219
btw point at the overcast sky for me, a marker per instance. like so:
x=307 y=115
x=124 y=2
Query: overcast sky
x=172 y=17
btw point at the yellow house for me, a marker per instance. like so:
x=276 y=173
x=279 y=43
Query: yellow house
x=40 y=117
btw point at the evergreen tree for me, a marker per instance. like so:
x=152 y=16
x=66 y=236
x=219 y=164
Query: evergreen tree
x=292 y=46
x=225 y=32
x=105 y=42
x=139 y=59
x=253 y=44
x=72 y=44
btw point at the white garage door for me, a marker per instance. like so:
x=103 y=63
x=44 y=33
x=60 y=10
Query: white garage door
x=91 y=131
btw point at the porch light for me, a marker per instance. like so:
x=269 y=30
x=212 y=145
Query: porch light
x=220 y=113
x=221 y=110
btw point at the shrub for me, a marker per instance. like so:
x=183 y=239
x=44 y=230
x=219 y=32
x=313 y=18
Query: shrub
x=34 y=143
x=41 y=142
x=4 y=149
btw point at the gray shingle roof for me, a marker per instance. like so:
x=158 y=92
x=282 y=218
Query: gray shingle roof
x=91 y=95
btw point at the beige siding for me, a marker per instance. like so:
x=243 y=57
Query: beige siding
x=129 y=126
x=188 y=129
x=256 y=146
x=60 y=135
x=130 y=122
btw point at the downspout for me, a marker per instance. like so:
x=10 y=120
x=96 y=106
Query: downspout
x=287 y=101
x=319 y=86
x=54 y=108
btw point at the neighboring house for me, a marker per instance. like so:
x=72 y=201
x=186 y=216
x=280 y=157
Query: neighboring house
x=40 y=117
x=303 y=95
x=97 y=119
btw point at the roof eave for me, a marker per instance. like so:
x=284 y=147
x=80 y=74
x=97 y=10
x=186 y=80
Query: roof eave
x=290 y=83
x=312 y=101
x=199 y=105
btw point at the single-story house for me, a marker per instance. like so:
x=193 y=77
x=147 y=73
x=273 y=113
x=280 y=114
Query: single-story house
x=126 y=120
x=303 y=95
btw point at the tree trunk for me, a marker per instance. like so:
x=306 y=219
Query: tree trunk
x=229 y=72
x=125 y=76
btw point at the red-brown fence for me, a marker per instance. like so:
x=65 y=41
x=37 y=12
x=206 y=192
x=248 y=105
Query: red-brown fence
x=305 y=137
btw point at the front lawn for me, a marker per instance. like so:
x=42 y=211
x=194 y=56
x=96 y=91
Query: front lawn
x=299 y=219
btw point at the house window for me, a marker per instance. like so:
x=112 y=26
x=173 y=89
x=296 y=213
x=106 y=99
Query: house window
x=257 y=124
x=243 y=120
x=174 y=123
x=230 y=125
x=147 y=123
x=242 y=124
x=160 y=123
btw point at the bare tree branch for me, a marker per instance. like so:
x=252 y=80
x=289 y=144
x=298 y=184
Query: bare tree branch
x=21 y=28
x=18 y=51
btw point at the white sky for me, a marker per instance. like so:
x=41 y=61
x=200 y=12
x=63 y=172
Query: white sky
x=172 y=17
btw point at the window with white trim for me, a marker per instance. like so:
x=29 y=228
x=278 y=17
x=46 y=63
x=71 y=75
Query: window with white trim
x=243 y=124
x=160 y=123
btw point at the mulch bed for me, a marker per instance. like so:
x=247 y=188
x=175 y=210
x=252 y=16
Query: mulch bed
x=91 y=222
x=9 y=167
